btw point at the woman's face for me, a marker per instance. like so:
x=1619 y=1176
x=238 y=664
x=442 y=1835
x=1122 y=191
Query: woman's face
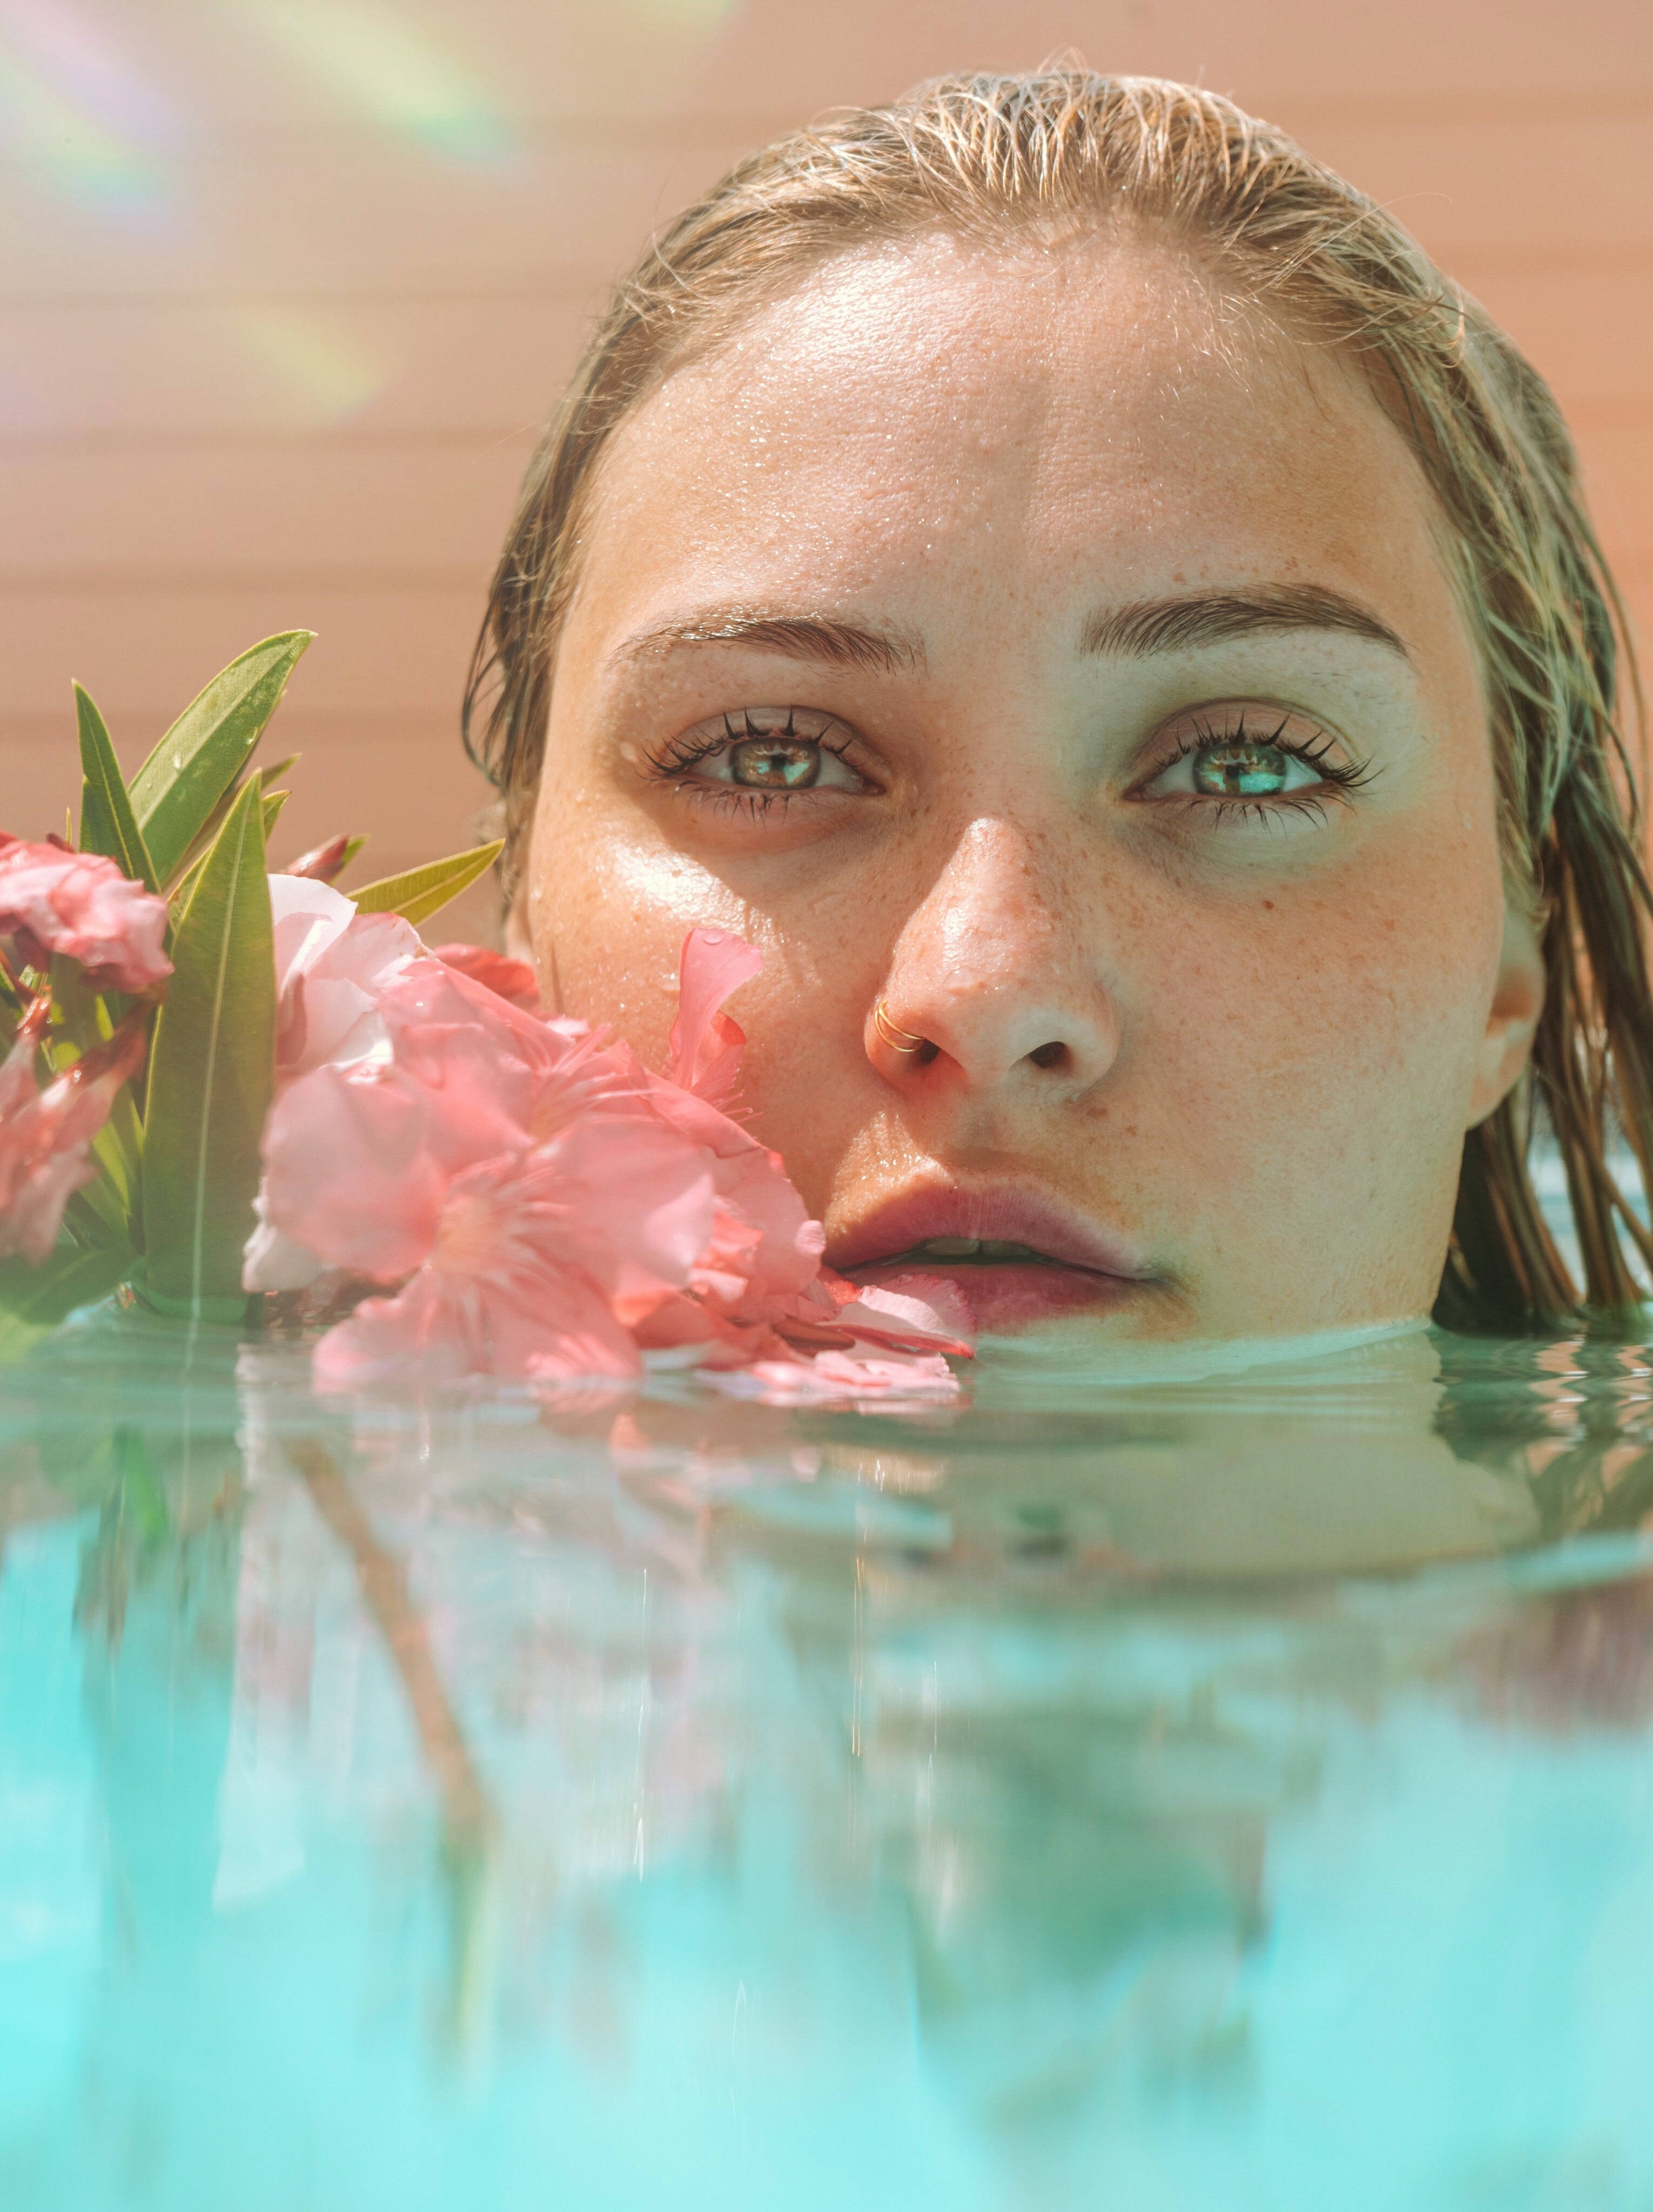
x=1032 y=646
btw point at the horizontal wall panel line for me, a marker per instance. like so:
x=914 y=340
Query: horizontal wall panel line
x=406 y=437
x=317 y=727
x=1581 y=258
x=153 y=583
x=1443 y=109
x=534 y=291
x=686 y=126
x=646 y=134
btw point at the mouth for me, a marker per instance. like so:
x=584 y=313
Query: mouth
x=973 y=1252
x=1016 y=1257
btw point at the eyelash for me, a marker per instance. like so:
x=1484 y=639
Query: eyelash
x=1314 y=752
x=675 y=759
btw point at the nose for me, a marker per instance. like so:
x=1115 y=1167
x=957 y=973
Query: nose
x=990 y=978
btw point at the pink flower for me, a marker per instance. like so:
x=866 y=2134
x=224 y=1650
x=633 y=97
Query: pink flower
x=378 y=1168
x=81 y=905
x=531 y=1264
x=45 y=1135
x=765 y=1250
x=512 y=979
x=494 y=1297
x=349 y=1180
x=549 y=1209
x=908 y=1311
x=333 y=966
x=705 y=1044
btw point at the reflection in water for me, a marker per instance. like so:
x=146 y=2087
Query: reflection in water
x=1215 y=1789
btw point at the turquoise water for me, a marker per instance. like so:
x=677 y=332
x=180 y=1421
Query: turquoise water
x=1228 y=1788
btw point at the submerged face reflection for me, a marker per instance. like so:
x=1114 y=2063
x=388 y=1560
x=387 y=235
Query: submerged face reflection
x=1033 y=646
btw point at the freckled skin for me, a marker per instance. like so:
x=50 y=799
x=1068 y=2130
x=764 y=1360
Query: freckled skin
x=1274 y=1033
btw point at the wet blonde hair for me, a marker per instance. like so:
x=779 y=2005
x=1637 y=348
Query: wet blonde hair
x=1062 y=152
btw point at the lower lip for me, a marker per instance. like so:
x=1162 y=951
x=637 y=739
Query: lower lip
x=1005 y=1298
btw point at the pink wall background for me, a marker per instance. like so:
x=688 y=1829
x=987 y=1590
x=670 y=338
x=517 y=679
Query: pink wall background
x=287 y=285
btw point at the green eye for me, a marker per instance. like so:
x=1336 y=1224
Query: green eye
x=1240 y=771
x=766 y=753
x=774 y=763
x=1292 y=768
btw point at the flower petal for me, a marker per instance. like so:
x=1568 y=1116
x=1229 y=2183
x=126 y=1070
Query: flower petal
x=540 y=1323
x=633 y=1203
x=511 y=979
x=705 y=1043
x=44 y=1135
x=79 y=904
x=333 y=967
x=920 y=1313
x=348 y=1173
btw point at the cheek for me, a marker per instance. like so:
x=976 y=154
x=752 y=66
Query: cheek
x=610 y=902
x=603 y=915
x=1335 y=1033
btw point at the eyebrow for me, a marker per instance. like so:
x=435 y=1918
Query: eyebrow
x=1180 y=625
x=838 y=642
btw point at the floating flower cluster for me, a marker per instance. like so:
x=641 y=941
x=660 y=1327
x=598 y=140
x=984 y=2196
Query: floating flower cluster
x=543 y=1206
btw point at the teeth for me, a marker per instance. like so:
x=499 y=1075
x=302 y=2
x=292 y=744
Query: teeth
x=973 y=1248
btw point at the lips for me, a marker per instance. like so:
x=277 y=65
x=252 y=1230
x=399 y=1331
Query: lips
x=1015 y=1255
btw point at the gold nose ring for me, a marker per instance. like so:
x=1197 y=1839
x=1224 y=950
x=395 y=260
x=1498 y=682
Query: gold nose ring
x=898 y=1039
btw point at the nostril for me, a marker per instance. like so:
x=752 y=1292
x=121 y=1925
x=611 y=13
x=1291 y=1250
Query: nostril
x=1054 y=1054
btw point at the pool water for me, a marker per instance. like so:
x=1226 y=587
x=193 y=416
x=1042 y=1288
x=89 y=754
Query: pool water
x=1225 y=1784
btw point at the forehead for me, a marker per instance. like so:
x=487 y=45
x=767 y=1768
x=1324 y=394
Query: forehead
x=938 y=411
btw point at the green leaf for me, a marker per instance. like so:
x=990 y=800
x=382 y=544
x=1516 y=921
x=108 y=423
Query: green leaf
x=107 y=822
x=188 y=868
x=421 y=892
x=181 y=893
x=202 y=753
x=271 y=805
x=118 y=1148
x=35 y=1299
x=80 y=1016
x=100 y=1213
x=211 y=1078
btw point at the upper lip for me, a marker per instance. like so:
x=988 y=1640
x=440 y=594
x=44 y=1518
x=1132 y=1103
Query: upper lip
x=1008 y=1213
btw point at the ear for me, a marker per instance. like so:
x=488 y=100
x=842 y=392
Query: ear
x=1512 y=1021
